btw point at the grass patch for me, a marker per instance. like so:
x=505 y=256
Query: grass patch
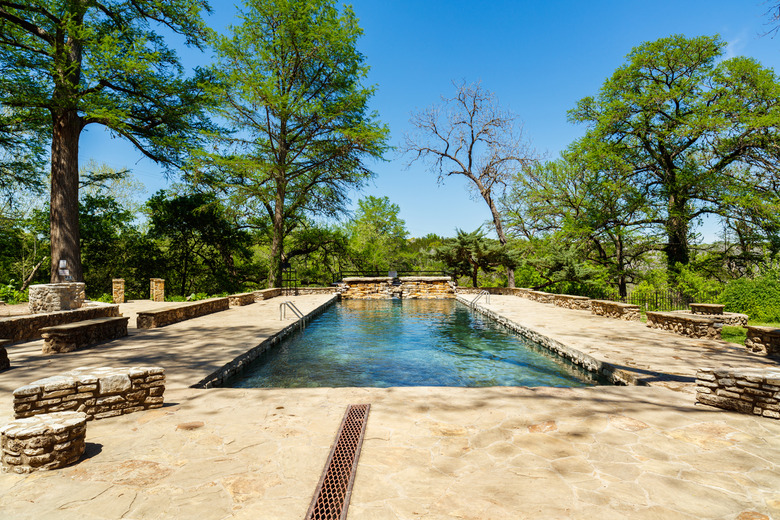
x=739 y=334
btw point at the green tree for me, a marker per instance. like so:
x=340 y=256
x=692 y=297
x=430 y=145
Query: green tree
x=694 y=132
x=203 y=247
x=70 y=64
x=377 y=236
x=468 y=253
x=292 y=75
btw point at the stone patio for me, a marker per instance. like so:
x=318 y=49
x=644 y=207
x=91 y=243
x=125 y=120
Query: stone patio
x=430 y=453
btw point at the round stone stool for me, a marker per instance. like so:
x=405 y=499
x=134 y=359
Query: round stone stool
x=41 y=442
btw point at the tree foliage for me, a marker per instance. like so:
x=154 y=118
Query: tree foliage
x=694 y=133
x=377 y=235
x=291 y=88
x=470 y=252
x=69 y=64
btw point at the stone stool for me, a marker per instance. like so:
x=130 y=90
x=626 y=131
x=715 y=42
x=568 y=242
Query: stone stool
x=42 y=442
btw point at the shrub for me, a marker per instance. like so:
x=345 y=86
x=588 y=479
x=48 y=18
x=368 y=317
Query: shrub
x=10 y=295
x=759 y=298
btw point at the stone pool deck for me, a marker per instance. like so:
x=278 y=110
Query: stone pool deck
x=430 y=453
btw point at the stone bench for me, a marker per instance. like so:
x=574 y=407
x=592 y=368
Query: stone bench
x=617 y=310
x=98 y=392
x=716 y=312
x=80 y=334
x=706 y=308
x=43 y=442
x=238 y=300
x=176 y=313
x=267 y=294
x=685 y=324
x=764 y=341
x=747 y=390
x=568 y=301
x=5 y=363
x=22 y=328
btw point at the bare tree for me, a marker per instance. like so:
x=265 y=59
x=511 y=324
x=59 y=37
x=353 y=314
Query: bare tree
x=773 y=13
x=471 y=135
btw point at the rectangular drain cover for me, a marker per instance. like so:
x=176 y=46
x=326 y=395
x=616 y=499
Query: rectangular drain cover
x=331 y=498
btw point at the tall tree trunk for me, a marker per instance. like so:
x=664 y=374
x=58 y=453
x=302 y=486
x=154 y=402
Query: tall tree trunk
x=64 y=220
x=275 y=273
x=677 y=250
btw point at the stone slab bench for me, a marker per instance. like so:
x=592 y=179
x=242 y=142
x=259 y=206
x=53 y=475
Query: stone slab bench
x=98 y=392
x=568 y=301
x=80 y=334
x=731 y=319
x=617 y=310
x=238 y=300
x=764 y=341
x=685 y=324
x=43 y=442
x=706 y=308
x=747 y=390
x=23 y=328
x=174 y=314
x=5 y=363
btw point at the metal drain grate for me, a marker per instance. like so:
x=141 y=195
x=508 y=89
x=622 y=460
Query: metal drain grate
x=331 y=498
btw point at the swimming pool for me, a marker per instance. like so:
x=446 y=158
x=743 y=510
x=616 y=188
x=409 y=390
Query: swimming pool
x=385 y=343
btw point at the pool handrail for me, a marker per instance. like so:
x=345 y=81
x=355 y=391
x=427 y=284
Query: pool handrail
x=478 y=296
x=290 y=305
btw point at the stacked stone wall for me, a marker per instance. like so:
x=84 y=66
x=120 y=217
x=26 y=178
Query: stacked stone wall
x=731 y=319
x=411 y=287
x=43 y=442
x=747 y=390
x=157 y=289
x=5 y=363
x=22 y=328
x=764 y=341
x=685 y=324
x=118 y=290
x=503 y=291
x=54 y=297
x=706 y=309
x=97 y=392
x=168 y=315
x=427 y=288
x=572 y=302
x=238 y=300
x=616 y=310
x=541 y=297
x=267 y=294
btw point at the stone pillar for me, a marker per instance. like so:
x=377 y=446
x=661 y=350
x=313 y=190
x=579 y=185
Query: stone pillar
x=157 y=289
x=118 y=290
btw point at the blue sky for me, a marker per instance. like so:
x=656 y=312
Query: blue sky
x=539 y=58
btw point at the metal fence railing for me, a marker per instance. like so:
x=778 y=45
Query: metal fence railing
x=345 y=274
x=658 y=300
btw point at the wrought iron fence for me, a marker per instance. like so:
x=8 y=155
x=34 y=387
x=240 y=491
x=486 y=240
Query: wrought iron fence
x=658 y=300
x=345 y=274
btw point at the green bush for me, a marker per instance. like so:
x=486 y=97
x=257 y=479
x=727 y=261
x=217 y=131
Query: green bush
x=10 y=295
x=759 y=298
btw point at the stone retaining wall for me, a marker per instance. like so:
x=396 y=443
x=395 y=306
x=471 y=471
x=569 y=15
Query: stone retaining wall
x=747 y=390
x=43 y=442
x=706 y=309
x=98 y=392
x=568 y=301
x=22 y=328
x=238 y=300
x=541 y=297
x=168 y=315
x=617 y=310
x=503 y=291
x=412 y=287
x=267 y=294
x=53 y=297
x=297 y=291
x=731 y=319
x=685 y=324
x=764 y=341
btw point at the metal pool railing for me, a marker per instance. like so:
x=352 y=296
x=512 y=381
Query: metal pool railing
x=295 y=310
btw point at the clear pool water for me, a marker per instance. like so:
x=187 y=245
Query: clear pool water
x=384 y=343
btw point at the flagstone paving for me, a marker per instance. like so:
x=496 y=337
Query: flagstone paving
x=429 y=453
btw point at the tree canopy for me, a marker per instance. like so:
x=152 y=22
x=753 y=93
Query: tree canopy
x=290 y=87
x=696 y=134
x=70 y=64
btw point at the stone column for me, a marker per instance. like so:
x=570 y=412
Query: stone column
x=157 y=289
x=118 y=290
